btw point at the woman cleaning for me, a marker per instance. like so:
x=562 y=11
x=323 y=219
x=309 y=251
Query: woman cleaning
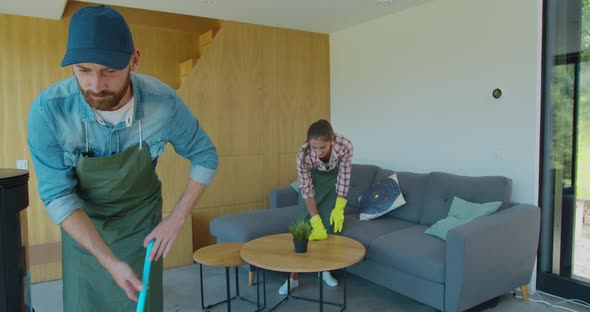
x=324 y=163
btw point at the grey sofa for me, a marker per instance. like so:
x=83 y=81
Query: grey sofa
x=479 y=260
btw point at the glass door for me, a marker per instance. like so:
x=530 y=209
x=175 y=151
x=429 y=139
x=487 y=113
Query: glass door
x=581 y=235
x=564 y=253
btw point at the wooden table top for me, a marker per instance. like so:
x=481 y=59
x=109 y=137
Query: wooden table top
x=221 y=255
x=277 y=253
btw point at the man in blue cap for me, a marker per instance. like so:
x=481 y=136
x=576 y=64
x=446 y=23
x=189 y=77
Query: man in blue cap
x=95 y=138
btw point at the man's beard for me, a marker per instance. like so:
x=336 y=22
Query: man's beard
x=109 y=99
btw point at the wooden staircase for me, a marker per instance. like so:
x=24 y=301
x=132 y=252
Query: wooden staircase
x=203 y=41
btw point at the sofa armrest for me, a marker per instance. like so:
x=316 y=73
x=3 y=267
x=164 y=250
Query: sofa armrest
x=490 y=256
x=283 y=197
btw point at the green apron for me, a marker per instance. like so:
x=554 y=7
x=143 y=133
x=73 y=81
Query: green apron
x=122 y=196
x=324 y=185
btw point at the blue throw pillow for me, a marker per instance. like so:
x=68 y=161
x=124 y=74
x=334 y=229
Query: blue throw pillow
x=384 y=197
x=461 y=212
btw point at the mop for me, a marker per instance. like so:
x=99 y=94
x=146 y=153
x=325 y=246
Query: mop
x=145 y=278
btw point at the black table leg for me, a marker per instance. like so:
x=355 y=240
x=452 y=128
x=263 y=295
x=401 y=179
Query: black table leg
x=237 y=283
x=282 y=300
x=201 y=278
x=344 y=294
x=258 y=289
x=264 y=288
x=227 y=289
x=321 y=285
x=258 y=306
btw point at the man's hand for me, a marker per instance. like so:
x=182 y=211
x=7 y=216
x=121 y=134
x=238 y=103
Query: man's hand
x=79 y=226
x=165 y=235
x=167 y=231
x=125 y=278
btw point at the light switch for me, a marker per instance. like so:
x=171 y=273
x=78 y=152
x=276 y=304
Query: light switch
x=22 y=164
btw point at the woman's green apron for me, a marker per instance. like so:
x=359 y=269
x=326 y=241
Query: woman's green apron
x=122 y=196
x=324 y=185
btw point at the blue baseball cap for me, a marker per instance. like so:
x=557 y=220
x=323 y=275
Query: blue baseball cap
x=100 y=35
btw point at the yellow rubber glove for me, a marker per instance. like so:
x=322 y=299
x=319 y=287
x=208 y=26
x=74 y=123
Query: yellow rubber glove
x=337 y=215
x=319 y=231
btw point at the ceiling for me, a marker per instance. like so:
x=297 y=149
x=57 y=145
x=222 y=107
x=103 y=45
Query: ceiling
x=324 y=16
x=37 y=8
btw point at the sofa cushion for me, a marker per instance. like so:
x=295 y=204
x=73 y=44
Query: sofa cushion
x=367 y=231
x=412 y=186
x=383 y=174
x=411 y=251
x=362 y=178
x=246 y=226
x=442 y=187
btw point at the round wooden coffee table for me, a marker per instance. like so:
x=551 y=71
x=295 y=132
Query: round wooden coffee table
x=222 y=255
x=276 y=253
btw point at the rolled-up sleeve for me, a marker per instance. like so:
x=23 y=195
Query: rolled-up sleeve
x=345 y=169
x=192 y=142
x=304 y=174
x=56 y=180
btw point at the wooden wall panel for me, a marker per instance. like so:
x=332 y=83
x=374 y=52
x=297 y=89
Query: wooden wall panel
x=226 y=88
x=46 y=272
x=297 y=80
x=256 y=90
x=173 y=171
x=30 y=54
x=270 y=178
x=182 y=252
x=287 y=168
x=161 y=51
x=239 y=180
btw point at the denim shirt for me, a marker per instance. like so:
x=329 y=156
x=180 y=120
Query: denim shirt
x=57 y=135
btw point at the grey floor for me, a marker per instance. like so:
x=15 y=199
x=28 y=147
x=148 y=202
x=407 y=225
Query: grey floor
x=182 y=294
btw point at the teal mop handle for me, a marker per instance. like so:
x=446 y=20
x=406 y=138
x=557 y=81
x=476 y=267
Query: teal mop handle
x=147 y=265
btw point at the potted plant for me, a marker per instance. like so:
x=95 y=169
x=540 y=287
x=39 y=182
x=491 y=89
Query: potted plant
x=300 y=231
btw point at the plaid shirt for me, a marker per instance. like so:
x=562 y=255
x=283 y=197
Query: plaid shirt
x=341 y=156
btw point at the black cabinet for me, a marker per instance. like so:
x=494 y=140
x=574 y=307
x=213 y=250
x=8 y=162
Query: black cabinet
x=14 y=198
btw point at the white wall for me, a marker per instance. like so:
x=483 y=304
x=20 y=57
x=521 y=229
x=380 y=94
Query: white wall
x=413 y=90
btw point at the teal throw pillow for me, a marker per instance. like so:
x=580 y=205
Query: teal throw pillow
x=461 y=212
x=295 y=186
